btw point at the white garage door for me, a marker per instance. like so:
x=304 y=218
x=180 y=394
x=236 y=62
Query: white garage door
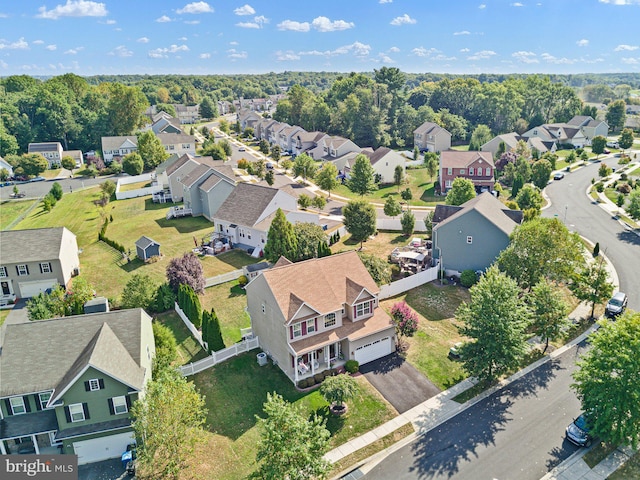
x=102 y=448
x=31 y=289
x=372 y=351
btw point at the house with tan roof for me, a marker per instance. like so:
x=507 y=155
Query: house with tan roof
x=431 y=137
x=248 y=119
x=306 y=329
x=118 y=147
x=304 y=142
x=332 y=147
x=472 y=235
x=384 y=162
x=260 y=130
x=511 y=140
x=476 y=166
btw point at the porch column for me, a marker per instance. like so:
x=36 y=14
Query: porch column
x=295 y=370
x=34 y=440
x=326 y=356
x=3 y=451
x=313 y=362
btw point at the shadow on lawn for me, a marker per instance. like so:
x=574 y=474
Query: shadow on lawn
x=184 y=225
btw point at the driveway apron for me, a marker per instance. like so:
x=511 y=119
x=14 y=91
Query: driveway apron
x=398 y=382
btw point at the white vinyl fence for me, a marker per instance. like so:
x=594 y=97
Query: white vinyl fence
x=140 y=192
x=395 y=225
x=407 y=283
x=224 y=278
x=192 y=328
x=219 y=356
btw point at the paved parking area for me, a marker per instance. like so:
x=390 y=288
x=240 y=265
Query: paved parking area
x=106 y=470
x=398 y=382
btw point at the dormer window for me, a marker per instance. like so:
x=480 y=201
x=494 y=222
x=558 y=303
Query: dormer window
x=362 y=309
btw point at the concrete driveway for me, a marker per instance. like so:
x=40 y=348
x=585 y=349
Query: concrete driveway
x=398 y=382
x=106 y=470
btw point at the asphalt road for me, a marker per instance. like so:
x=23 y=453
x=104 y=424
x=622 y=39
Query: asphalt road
x=516 y=433
x=582 y=215
x=40 y=189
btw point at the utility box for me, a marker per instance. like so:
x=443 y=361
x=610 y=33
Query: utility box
x=262 y=359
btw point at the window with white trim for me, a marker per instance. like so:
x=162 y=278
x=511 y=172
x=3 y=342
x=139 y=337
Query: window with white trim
x=449 y=171
x=469 y=239
x=363 y=309
x=44 y=399
x=471 y=171
x=462 y=171
x=45 y=267
x=76 y=412
x=488 y=171
x=311 y=326
x=17 y=405
x=23 y=270
x=329 y=320
x=3 y=272
x=94 y=384
x=297 y=330
x=119 y=405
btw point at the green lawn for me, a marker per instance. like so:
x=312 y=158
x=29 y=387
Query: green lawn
x=631 y=469
x=103 y=266
x=189 y=350
x=419 y=181
x=235 y=392
x=437 y=332
x=229 y=302
x=10 y=210
x=3 y=315
x=634 y=173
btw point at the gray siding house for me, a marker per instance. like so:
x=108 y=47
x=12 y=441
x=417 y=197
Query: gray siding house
x=32 y=261
x=470 y=236
x=78 y=400
x=206 y=188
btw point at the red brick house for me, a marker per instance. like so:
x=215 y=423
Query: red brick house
x=476 y=166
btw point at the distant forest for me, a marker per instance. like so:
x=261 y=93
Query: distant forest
x=376 y=108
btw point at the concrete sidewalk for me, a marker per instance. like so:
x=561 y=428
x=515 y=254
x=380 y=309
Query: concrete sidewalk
x=575 y=468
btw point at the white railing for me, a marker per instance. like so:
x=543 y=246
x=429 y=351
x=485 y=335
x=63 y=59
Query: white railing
x=224 y=278
x=246 y=332
x=192 y=328
x=219 y=356
x=405 y=284
x=178 y=212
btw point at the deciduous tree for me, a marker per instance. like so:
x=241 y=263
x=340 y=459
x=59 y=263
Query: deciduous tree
x=379 y=270
x=540 y=173
x=495 y=320
x=616 y=115
x=187 y=270
x=408 y=222
x=361 y=180
x=151 y=150
x=166 y=347
x=308 y=236
x=339 y=389
x=290 y=445
x=431 y=163
x=626 y=139
x=392 y=207
x=607 y=381
x=529 y=197
x=139 y=292
x=598 y=143
x=359 y=220
x=68 y=162
x=549 y=311
x=304 y=166
x=592 y=284
x=132 y=164
x=404 y=319
x=398 y=176
x=633 y=208
x=462 y=190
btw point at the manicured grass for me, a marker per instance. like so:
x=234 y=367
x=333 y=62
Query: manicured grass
x=611 y=194
x=229 y=301
x=419 y=181
x=381 y=245
x=49 y=174
x=598 y=453
x=634 y=173
x=104 y=267
x=235 y=392
x=631 y=469
x=134 y=186
x=225 y=262
x=3 y=315
x=189 y=350
x=437 y=331
x=460 y=148
x=10 y=210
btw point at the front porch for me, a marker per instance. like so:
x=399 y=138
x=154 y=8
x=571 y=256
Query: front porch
x=32 y=433
x=318 y=360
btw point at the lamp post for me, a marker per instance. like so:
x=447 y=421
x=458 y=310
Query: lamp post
x=566 y=207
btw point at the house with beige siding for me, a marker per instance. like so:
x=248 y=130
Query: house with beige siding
x=207 y=187
x=305 y=329
x=118 y=147
x=431 y=137
x=51 y=151
x=32 y=261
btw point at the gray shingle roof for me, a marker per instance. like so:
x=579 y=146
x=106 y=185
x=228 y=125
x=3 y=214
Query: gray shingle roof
x=143 y=242
x=245 y=204
x=69 y=344
x=196 y=174
x=34 y=245
x=44 y=147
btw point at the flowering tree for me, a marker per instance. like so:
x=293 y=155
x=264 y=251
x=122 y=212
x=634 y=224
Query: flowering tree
x=405 y=320
x=186 y=270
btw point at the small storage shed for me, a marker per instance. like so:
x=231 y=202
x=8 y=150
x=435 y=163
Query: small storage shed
x=147 y=248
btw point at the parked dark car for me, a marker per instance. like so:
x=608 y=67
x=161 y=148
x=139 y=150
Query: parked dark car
x=616 y=305
x=558 y=176
x=578 y=432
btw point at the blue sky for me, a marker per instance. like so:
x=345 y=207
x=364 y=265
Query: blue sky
x=52 y=37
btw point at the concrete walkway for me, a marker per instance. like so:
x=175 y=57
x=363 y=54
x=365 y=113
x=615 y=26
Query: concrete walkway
x=575 y=468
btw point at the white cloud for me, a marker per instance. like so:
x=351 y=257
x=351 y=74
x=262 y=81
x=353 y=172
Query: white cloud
x=51 y=47
x=234 y=54
x=621 y=2
x=110 y=22
x=163 y=19
x=244 y=10
x=517 y=4
x=143 y=40
x=163 y=52
x=195 y=8
x=482 y=6
x=403 y=20
x=424 y=52
x=464 y=50
x=547 y=57
x=74 y=51
x=18 y=45
x=121 y=51
x=631 y=61
x=191 y=22
x=234 y=43
x=358 y=49
x=583 y=42
x=3 y=64
x=38 y=42
x=625 y=48
x=287 y=56
x=204 y=55
x=463 y=32
x=4 y=15
x=294 y=26
x=183 y=39
x=482 y=55
x=385 y=1
x=394 y=49
x=74 y=8
x=258 y=22
x=384 y=58
x=525 y=57
x=323 y=24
